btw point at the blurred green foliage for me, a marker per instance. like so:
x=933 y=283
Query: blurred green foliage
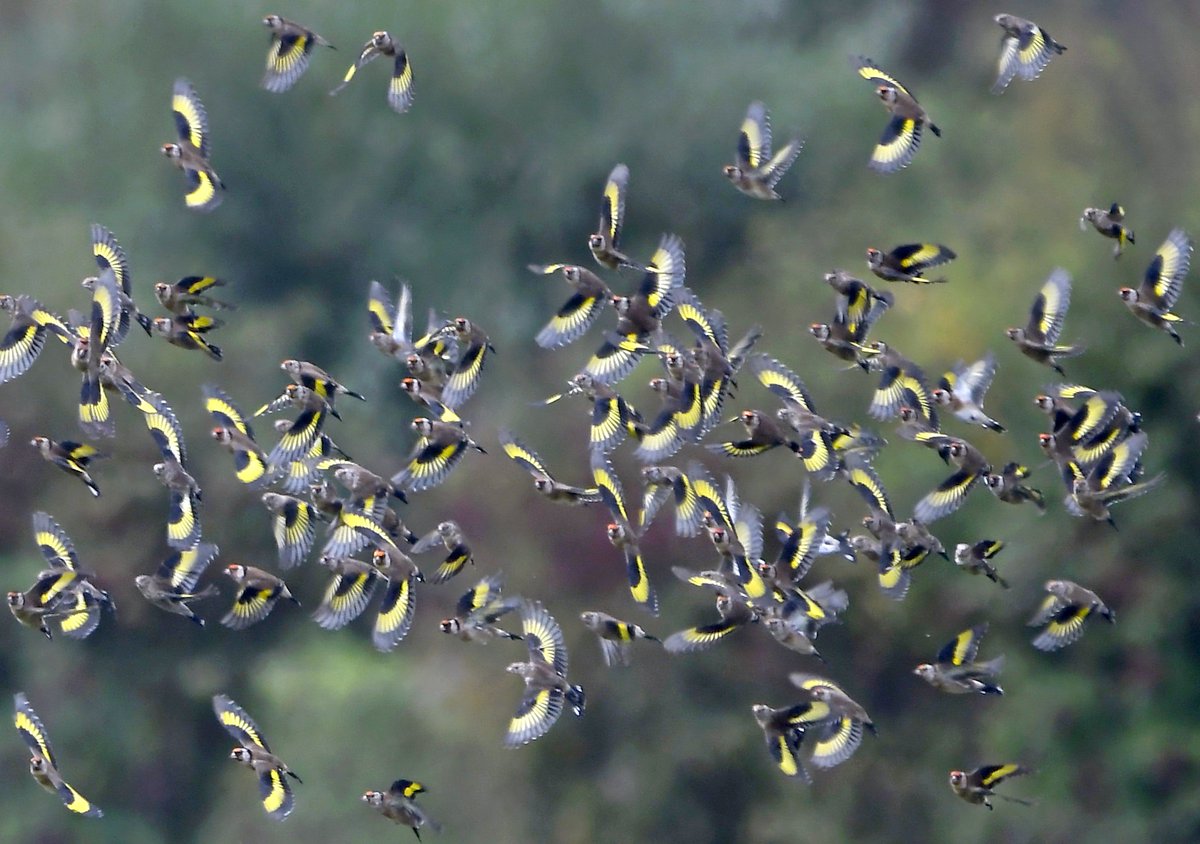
x=522 y=108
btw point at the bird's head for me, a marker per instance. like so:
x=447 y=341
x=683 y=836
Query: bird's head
x=450 y=625
x=172 y=151
x=820 y=330
x=423 y=426
x=762 y=713
x=236 y=570
x=241 y=754
x=733 y=172
x=1056 y=587
x=822 y=693
x=1128 y=294
x=521 y=669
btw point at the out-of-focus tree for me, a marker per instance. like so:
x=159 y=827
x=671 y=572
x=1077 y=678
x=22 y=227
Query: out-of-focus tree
x=521 y=110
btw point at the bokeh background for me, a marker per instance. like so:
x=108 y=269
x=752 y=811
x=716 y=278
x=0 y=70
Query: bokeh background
x=521 y=110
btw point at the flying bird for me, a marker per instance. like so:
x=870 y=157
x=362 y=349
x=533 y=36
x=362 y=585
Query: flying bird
x=757 y=170
x=978 y=786
x=42 y=764
x=605 y=243
x=400 y=87
x=252 y=751
x=288 y=55
x=72 y=457
x=172 y=587
x=1109 y=222
x=1025 y=50
x=962 y=390
x=1063 y=613
x=545 y=676
x=902 y=136
x=399 y=804
x=478 y=610
x=616 y=636
x=190 y=153
x=1038 y=340
x=1152 y=300
x=955 y=669
x=258 y=592
x=908 y=262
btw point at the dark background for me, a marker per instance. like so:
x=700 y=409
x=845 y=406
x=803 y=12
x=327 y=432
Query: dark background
x=521 y=110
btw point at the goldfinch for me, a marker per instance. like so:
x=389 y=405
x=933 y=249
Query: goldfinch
x=902 y=136
x=288 y=55
x=616 y=636
x=1025 y=50
x=253 y=752
x=400 y=87
x=757 y=170
x=1063 y=613
x=398 y=804
x=173 y=586
x=258 y=592
x=478 y=610
x=1038 y=340
x=1109 y=222
x=955 y=669
x=42 y=764
x=190 y=153
x=1152 y=300
x=978 y=786
x=545 y=676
